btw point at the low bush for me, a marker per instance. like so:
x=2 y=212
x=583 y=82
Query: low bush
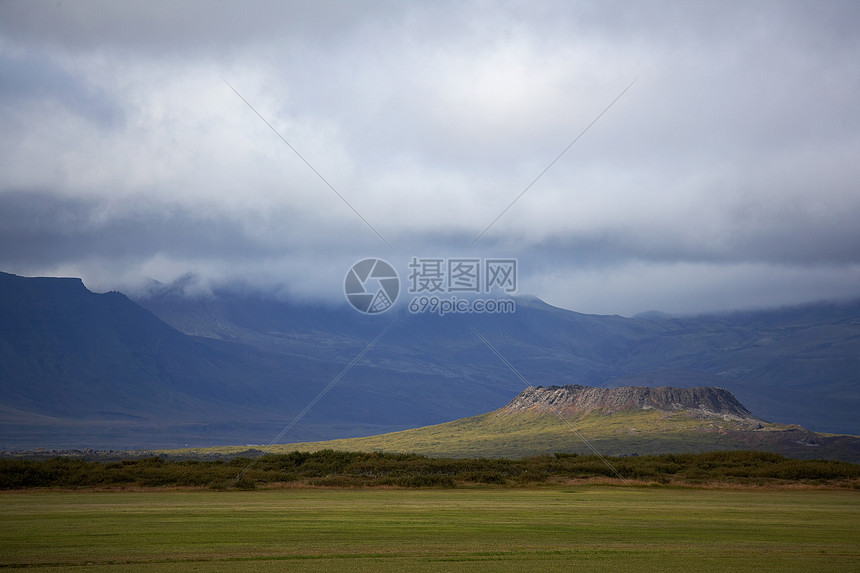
x=357 y=469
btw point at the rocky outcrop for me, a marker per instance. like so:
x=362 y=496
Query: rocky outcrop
x=705 y=401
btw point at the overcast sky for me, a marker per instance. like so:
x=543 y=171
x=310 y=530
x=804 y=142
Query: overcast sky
x=727 y=176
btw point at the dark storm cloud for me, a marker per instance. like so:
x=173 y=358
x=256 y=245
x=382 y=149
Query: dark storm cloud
x=163 y=27
x=725 y=177
x=34 y=80
x=42 y=229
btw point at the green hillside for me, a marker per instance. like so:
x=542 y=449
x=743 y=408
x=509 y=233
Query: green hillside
x=642 y=432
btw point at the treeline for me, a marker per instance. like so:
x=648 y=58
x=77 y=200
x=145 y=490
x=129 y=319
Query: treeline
x=330 y=468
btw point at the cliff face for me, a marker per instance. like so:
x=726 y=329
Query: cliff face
x=705 y=401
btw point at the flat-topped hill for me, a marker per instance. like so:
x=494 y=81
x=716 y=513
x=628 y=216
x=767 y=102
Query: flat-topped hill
x=572 y=400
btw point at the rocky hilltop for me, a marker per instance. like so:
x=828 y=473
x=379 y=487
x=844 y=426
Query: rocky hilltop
x=704 y=402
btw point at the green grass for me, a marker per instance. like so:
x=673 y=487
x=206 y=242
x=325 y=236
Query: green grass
x=499 y=434
x=584 y=528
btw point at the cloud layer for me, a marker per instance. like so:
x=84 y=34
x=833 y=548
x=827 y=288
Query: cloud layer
x=725 y=177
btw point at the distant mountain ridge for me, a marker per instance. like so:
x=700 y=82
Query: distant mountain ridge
x=97 y=369
x=571 y=400
x=80 y=369
x=796 y=363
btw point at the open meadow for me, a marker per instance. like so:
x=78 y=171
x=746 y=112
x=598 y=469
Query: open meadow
x=581 y=527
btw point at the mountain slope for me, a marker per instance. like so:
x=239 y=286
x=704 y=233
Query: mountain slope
x=79 y=369
x=89 y=364
x=801 y=363
x=622 y=421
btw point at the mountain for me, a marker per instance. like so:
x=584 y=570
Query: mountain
x=704 y=402
x=795 y=363
x=614 y=422
x=80 y=369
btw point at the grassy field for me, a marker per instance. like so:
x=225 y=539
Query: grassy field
x=499 y=435
x=560 y=528
x=645 y=432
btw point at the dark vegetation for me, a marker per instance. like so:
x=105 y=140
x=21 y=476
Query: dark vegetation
x=329 y=468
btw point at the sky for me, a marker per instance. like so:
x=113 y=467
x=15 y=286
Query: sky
x=676 y=156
